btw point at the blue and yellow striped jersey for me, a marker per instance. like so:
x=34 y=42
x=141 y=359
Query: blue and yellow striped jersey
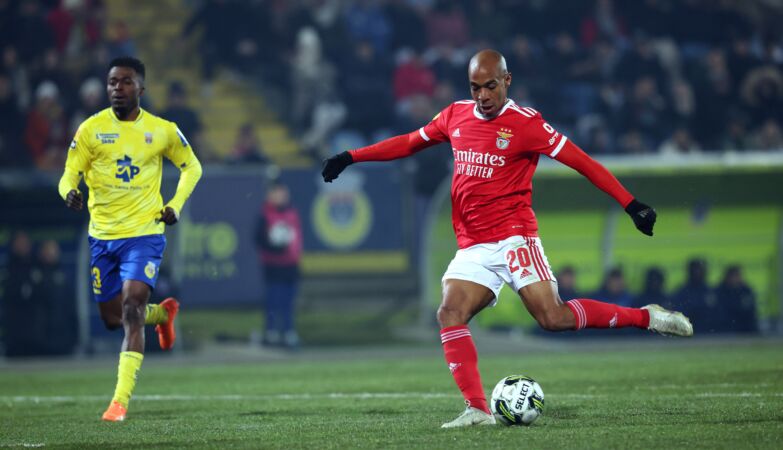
x=122 y=164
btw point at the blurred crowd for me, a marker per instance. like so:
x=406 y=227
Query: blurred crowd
x=638 y=77
x=728 y=307
x=53 y=58
x=35 y=300
x=619 y=77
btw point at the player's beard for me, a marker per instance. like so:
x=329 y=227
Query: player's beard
x=123 y=110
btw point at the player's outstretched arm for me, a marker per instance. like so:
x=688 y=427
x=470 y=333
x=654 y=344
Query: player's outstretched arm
x=393 y=148
x=333 y=166
x=643 y=216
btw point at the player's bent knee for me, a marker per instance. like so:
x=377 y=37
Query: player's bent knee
x=448 y=316
x=132 y=313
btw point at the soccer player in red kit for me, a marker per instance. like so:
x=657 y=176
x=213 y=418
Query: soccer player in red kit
x=496 y=145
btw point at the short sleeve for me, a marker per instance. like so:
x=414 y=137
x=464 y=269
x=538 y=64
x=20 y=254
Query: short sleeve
x=540 y=137
x=437 y=130
x=178 y=150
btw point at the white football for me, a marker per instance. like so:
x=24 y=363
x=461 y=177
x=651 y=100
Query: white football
x=517 y=400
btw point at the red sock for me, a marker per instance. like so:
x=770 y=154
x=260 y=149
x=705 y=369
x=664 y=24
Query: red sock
x=462 y=358
x=595 y=314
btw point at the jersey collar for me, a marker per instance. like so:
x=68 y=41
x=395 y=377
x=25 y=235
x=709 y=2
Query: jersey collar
x=114 y=116
x=509 y=103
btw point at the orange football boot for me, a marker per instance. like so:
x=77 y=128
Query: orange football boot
x=115 y=412
x=166 y=333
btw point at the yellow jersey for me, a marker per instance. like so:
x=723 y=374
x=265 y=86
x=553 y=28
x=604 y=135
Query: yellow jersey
x=122 y=165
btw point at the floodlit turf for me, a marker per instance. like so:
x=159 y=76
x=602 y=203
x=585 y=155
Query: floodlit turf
x=706 y=397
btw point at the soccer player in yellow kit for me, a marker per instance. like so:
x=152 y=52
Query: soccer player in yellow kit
x=119 y=152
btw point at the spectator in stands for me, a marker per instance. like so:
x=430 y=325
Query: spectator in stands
x=404 y=18
x=641 y=61
x=365 y=20
x=566 y=283
x=489 y=24
x=604 y=22
x=447 y=25
x=217 y=41
x=31 y=33
x=714 y=96
x=367 y=78
x=762 y=92
x=121 y=42
x=768 y=137
x=19 y=76
x=634 y=143
x=327 y=117
x=737 y=303
x=178 y=111
x=679 y=143
x=51 y=69
x=647 y=111
x=279 y=243
x=529 y=66
x=50 y=295
x=17 y=304
x=77 y=26
x=11 y=153
x=412 y=77
x=599 y=140
x=91 y=100
x=683 y=103
x=654 y=291
x=735 y=137
x=46 y=132
x=696 y=299
x=246 y=147
x=613 y=289
x=741 y=59
x=312 y=76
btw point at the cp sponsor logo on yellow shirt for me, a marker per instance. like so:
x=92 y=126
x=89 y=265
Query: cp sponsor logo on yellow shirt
x=126 y=170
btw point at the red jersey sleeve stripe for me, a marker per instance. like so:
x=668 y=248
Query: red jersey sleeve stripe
x=559 y=147
x=423 y=134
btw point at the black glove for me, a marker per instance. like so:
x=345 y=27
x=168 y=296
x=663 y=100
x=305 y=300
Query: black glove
x=332 y=167
x=643 y=216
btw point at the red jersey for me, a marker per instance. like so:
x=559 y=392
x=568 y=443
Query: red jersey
x=494 y=162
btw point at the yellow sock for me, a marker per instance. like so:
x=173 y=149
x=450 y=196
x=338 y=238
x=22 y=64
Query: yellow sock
x=130 y=363
x=155 y=315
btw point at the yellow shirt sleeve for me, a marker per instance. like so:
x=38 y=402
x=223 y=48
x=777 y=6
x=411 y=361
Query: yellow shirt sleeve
x=78 y=162
x=181 y=154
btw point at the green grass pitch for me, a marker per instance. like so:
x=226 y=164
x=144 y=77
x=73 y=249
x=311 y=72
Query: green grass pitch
x=666 y=395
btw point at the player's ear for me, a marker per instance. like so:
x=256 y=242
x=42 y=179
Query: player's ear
x=507 y=79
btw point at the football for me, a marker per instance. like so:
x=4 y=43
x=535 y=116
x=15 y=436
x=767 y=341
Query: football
x=517 y=400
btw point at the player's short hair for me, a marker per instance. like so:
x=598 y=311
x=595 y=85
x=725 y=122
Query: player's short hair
x=128 y=61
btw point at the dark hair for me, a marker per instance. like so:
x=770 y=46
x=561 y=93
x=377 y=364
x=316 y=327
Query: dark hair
x=127 y=61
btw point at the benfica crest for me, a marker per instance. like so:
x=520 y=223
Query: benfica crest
x=504 y=136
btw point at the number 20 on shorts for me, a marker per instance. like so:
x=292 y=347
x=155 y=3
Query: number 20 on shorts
x=521 y=256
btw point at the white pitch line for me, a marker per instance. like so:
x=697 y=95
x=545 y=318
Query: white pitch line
x=341 y=395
